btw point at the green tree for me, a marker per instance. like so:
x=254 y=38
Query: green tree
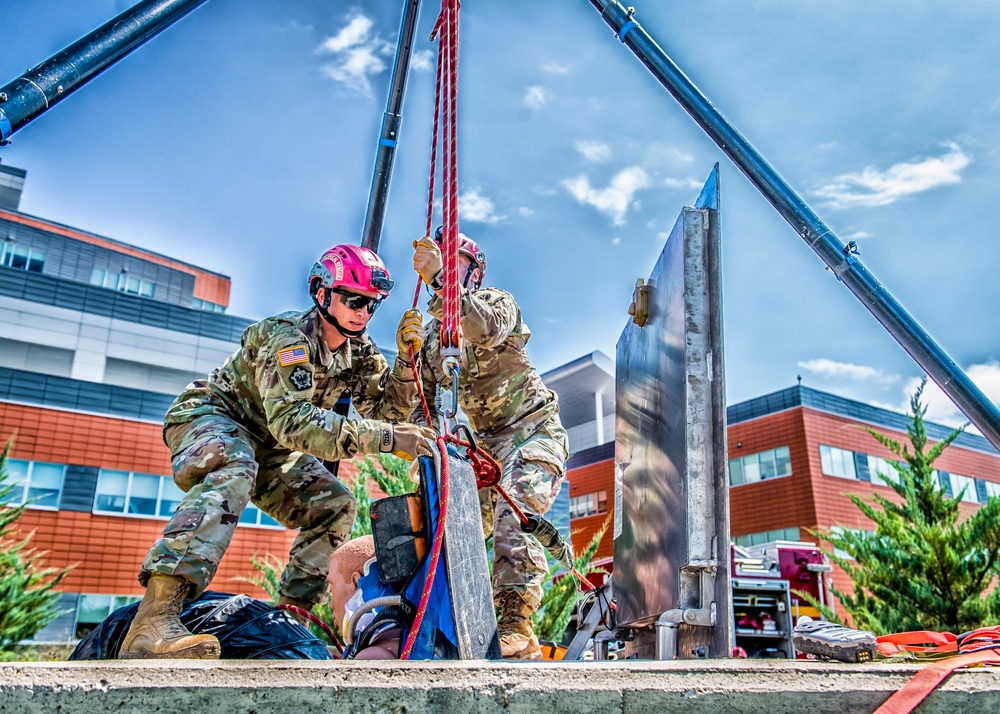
x=559 y=598
x=28 y=598
x=922 y=569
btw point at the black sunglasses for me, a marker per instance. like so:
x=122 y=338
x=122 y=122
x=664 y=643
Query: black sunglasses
x=356 y=302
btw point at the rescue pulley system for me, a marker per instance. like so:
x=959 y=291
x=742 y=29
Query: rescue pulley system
x=488 y=471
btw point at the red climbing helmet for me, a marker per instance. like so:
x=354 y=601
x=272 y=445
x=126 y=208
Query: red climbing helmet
x=470 y=248
x=352 y=268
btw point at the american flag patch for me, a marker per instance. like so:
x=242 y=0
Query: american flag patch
x=293 y=355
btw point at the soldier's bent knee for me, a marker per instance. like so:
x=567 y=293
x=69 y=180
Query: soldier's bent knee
x=211 y=454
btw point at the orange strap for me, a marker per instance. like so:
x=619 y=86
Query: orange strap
x=930 y=677
x=917 y=641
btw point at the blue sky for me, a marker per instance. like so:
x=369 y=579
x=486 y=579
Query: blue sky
x=242 y=139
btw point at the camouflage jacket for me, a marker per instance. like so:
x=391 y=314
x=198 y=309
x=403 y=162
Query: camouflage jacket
x=283 y=382
x=499 y=390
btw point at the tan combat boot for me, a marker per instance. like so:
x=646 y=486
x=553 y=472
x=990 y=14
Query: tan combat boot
x=303 y=604
x=517 y=633
x=157 y=632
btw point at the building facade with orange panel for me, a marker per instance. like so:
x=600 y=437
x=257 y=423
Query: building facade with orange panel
x=794 y=456
x=96 y=338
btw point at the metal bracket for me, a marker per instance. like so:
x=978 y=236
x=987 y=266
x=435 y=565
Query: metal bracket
x=697 y=577
x=639 y=309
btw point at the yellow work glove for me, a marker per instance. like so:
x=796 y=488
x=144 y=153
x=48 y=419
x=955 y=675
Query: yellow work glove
x=407 y=441
x=411 y=331
x=427 y=261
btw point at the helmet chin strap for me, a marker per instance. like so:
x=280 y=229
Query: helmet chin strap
x=331 y=320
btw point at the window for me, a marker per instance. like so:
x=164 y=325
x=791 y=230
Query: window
x=91 y=611
x=964 y=482
x=122 y=282
x=992 y=489
x=199 y=304
x=127 y=493
x=760 y=467
x=22 y=258
x=837 y=462
x=150 y=496
x=35 y=483
x=881 y=471
x=768 y=536
x=588 y=505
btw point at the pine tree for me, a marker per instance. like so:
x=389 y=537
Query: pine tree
x=922 y=569
x=28 y=598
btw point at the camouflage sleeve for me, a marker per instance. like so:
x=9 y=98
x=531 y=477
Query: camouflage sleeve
x=388 y=395
x=488 y=316
x=286 y=385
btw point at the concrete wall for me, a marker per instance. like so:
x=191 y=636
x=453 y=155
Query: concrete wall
x=752 y=687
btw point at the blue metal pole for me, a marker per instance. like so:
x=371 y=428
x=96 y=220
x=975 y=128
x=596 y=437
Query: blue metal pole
x=39 y=89
x=840 y=258
x=389 y=137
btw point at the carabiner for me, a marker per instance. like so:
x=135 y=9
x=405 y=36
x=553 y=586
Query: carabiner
x=452 y=410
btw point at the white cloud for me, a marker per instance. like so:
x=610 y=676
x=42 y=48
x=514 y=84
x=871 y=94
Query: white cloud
x=686 y=183
x=857 y=235
x=535 y=97
x=616 y=199
x=525 y=211
x=616 y=240
x=477 y=208
x=836 y=370
x=356 y=54
x=422 y=61
x=880 y=188
x=596 y=151
x=556 y=67
x=940 y=407
x=354 y=33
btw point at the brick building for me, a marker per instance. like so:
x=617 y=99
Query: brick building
x=96 y=338
x=793 y=456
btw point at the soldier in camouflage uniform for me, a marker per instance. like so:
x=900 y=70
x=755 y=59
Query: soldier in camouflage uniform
x=261 y=429
x=514 y=416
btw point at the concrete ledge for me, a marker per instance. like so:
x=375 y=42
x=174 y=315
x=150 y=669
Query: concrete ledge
x=757 y=686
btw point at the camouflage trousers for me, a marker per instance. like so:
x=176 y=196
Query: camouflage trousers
x=533 y=472
x=222 y=468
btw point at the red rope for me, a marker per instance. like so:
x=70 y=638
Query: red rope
x=420 y=386
x=488 y=473
x=435 y=553
x=451 y=330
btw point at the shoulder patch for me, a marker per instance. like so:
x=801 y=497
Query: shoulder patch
x=301 y=378
x=293 y=355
